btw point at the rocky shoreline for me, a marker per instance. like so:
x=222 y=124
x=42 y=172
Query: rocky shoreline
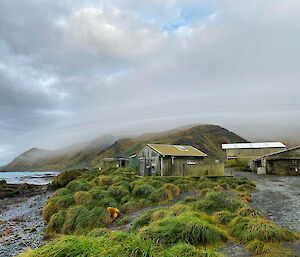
x=21 y=224
x=19 y=190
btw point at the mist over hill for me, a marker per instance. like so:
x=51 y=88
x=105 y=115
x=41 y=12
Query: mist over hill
x=207 y=138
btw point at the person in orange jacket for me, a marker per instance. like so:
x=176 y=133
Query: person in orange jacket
x=114 y=213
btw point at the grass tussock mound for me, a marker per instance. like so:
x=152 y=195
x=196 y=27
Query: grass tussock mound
x=55 y=204
x=247 y=229
x=224 y=217
x=259 y=248
x=158 y=196
x=187 y=228
x=142 y=191
x=83 y=198
x=218 y=201
x=187 y=250
x=249 y=212
x=65 y=177
x=171 y=190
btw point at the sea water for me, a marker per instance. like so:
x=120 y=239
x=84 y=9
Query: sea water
x=30 y=177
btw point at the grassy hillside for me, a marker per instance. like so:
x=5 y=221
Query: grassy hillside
x=78 y=155
x=207 y=138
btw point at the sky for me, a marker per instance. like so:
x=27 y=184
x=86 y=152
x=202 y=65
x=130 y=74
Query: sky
x=74 y=70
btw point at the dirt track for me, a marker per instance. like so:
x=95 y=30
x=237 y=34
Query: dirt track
x=278 y=198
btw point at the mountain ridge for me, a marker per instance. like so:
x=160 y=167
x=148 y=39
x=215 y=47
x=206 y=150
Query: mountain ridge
x=207 y=138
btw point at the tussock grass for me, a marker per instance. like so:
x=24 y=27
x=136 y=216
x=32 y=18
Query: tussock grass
x=224 y=217
x=258 y=247
x=189 y=199
x=218 y=201
x=83 y=198
x=134 y=246
x=205 y=191
x=130 y=206
x=207 y=184
x=178 y=208
x=158 y=196
x=249 y=212
x=124 y=221
x=187 y=228
x=55 y=204
x=56 y=223
x=118 y=192
x=160 y=213
x=98 y=232
x=98 y=217
x=246 y=229
x=245 y=197
x=187 y=250
x=218 y=188
x=244 y=187
x=61 y=192
x=76 y=220
x=98 y=193
x=171 y=190
x=142 y=191
x=65 y=177
x=109 y=202
x=76 y=185
x=228 y=183
x=143 y=220
x=71 y=246
x=104 y=180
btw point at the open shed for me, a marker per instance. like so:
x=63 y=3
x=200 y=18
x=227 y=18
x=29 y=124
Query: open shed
x=286 y=162
x=243 y=152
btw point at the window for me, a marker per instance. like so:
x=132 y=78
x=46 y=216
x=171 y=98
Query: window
x=181 y=148
x=191 y=162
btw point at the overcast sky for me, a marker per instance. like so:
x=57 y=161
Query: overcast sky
x=76 y=69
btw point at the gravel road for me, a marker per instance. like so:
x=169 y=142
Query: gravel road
x=278 y=199
x=21 y=224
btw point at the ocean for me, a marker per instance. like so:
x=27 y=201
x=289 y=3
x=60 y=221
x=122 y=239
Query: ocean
x=30 y=177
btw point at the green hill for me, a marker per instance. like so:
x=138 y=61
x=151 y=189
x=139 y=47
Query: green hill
x=77 y=156
x=207 y=138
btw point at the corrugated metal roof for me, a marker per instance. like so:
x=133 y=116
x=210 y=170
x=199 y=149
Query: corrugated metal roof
x=279 y=152
x=253 y=145
x=177 y=150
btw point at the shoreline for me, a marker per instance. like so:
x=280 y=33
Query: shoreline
x=18 y=190
x=21 y=223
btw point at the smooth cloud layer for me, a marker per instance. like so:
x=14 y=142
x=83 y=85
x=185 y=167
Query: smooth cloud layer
x=73 y=70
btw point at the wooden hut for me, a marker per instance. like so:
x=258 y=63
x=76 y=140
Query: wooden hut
x=175 y=160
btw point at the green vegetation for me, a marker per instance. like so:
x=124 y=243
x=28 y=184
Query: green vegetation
x=124 y=221
x=218 y=201
x=246 y=229
x=78 y=221
x=207 y=138
x=185 y=228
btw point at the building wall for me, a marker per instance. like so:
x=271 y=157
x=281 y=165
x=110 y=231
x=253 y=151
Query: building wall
x=133 y=163
x=191 y=166
x=248 y=154
x=149 y=162
x=285 y=163
x=284 y=167
x=114 y=163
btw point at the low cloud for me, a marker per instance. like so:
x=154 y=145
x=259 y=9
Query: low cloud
x=74 y=70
